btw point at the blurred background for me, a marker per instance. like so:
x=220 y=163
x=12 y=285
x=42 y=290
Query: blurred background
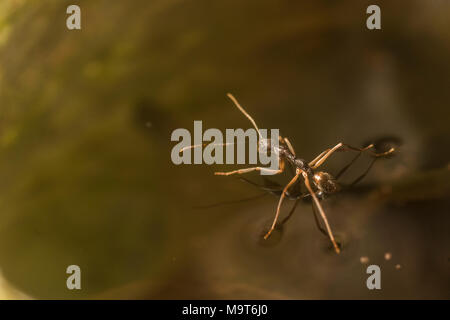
x=86 y=176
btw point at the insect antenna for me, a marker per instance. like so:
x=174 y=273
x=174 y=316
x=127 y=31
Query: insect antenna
x=244 y=112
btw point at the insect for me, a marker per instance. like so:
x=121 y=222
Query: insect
x=318 y=183
x=297 y=194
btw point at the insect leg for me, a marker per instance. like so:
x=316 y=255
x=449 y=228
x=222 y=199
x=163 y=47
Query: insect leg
x=205 y=144
x=316 y=219
x=322 y=213
x=246 y=170
x=292 y=211
x=319 y=160
x=364 y=173
x=241 y=171
x=279 y=205
x=343 y=170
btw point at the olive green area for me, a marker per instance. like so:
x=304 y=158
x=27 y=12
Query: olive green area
x=86 y=118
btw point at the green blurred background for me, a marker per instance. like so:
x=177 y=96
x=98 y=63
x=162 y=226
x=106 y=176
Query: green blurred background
x=85 y=122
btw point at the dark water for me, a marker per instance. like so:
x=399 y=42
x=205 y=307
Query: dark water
x=86 y=176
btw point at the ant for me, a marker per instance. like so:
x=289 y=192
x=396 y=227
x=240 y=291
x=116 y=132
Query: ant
x=318 y=183
x=297 y=194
